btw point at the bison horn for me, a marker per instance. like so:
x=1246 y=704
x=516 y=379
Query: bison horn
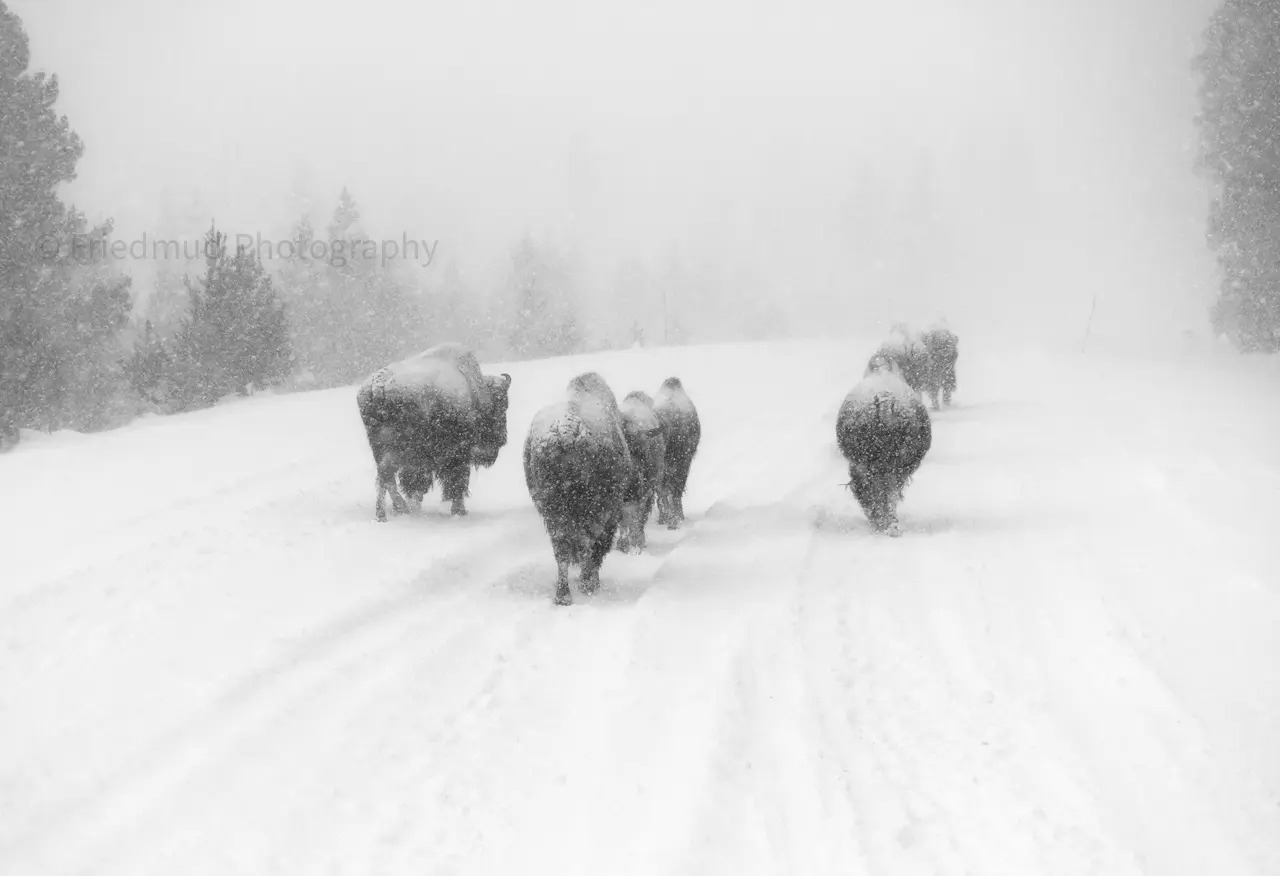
x=506 y=379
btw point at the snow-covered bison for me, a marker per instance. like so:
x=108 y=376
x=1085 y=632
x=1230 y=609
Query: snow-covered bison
x=942 y=349
x=576 y=466
x=906 y=348
x=432 y=417
x=682 y=430
x=648 y=447
x=883 y=431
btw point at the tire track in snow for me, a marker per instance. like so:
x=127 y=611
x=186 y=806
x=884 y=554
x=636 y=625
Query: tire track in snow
x=306 y=667
x=115 y=541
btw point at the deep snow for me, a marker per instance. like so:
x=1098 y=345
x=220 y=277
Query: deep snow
x=213 y=660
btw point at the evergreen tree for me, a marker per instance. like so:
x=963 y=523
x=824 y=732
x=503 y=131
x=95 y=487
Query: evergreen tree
x=458 y=317
x=150 y=369
x=237 y=334
x=176 y=253
x=542 y=320
x=373 y=316
x=1240 y=151
x=62 y=303
x=303 y=284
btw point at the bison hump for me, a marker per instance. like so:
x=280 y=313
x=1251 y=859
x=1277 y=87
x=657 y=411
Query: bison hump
x=580 y=422
x=639 y=417
x=673 y=399
x=427 y=380
x=880 y=384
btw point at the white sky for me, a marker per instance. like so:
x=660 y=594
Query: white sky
x=1060 y=135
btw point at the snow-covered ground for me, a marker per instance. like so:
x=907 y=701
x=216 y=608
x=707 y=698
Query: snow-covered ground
x=213 y=661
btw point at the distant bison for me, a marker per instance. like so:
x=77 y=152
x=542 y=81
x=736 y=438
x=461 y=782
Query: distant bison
x=942 y=349
x=432 y=416
x=906 y=348
x=683 y=431
x=647 y=444
x=883 y=431
x=577 y=467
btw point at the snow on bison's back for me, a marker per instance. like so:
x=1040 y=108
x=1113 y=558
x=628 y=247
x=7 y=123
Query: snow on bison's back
x=577 y=466
x=883 y=431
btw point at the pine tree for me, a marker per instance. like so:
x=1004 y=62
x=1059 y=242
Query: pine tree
x=457 y=312
x=542 y=320
x=176 y=253
x=1240 y=151
x=303 y=286
x=62 y=303
x=373 y=317
x=150 y=368
x=237 y=334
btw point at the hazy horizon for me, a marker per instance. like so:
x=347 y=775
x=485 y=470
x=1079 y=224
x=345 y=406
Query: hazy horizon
x=775 y=147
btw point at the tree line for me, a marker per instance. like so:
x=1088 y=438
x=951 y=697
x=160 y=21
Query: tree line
x=81 y=349
x=77 y=351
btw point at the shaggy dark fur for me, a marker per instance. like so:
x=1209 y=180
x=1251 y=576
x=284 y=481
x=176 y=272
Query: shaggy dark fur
x=906 y=348
x=884 y=432
x=942 y=349
x=683 y=431
x=648 y=446
x=577 y=467
x=432 y=417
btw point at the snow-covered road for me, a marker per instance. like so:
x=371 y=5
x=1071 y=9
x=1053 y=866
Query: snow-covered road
x=214 y=662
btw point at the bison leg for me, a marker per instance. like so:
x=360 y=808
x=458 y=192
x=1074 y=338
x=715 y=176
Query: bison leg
x=670 y=508
x=455 y=480
x=627 y=531
x=646 y=509
x=379 y=503
x=862 y=485
x=598 y=550
x=664 y=505
x=386 y=483
x=679 y=512
x=631 y=529
x=563 y=558
x=895 y=488
x=878 y=499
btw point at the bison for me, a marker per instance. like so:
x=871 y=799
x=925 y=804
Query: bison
x=941 y=352
x=577 y=467
x=883 y=431
x=683 y=431
x=905 y=347
x=432 y=417
x=647 y=444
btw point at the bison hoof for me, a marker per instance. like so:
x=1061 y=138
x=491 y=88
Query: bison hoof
x=565 y=598
x=458 y=511
x=589 y=585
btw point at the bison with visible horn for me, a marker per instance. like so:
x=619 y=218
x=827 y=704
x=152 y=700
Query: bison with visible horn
x=647 y=444
x=432 y=417
x=682 y=430
x=883 y=431
x=942 y=349
x=577 y=467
